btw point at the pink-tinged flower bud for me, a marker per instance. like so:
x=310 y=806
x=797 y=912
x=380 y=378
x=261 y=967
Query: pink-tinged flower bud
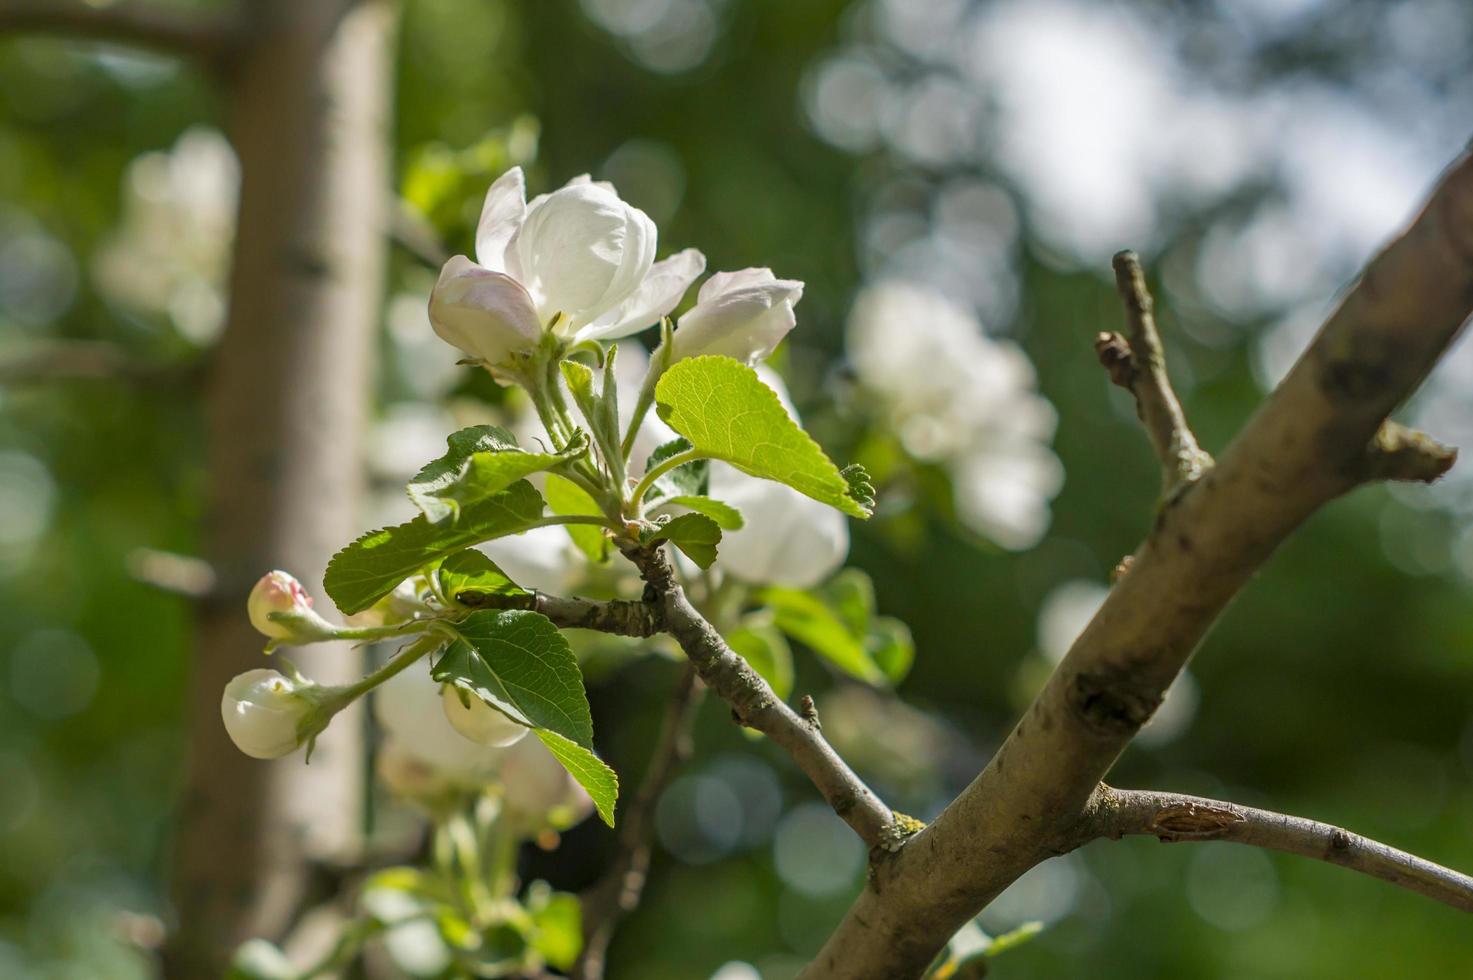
x=264 y=713
x=743 y=315
x=478 y=721
x=282 y=610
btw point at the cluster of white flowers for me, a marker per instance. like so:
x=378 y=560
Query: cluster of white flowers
x=959 y=398
x=578 y=264
x=171 y=253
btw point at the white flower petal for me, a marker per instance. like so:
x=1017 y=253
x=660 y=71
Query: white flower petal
x=743 y=315
x=788 y=539
x=407 y=706
x=654 y=298
x=262 y=712
x=580 y=252
x=501 y=216
x=486 y=314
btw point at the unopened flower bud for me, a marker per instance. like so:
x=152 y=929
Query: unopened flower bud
x=478 y=721
x=282 y=610
x=743 y=315
x=266 y=713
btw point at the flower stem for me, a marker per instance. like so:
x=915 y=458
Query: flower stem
x=427 y=643
x=660 y=469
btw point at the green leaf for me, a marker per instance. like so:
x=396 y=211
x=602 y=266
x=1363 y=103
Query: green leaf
x=557 y=922
x=727 y=517
x=567 y=499
x=601 y=783
x=764 y=648
x=891 y=647
x=695 y=534
x=483 y=460
x=600 y=408
x=725 y=410
x=370 y=568
x=689 y=480
x=469 y=577
x=851 y=593
x=807 y=619
x=519 y=663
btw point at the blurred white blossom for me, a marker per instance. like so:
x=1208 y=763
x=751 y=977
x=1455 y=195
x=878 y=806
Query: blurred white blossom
x=960 y=399
x=171 y=253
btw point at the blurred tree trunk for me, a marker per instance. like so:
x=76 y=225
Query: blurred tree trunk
x=309 y=105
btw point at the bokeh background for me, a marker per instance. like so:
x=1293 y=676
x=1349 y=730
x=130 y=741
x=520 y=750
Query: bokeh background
x=934 y=165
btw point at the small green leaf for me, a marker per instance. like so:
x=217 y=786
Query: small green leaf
x=371 y=567
x=726 y=412
x=471 y=578
x=852 y=595
x=601 y=782
x=727 y=517
x=519 y=663
x=807 y=619
x=690 y=480
x=566 y=498
x=483 y=460
x=557 y=922
x=764 y=648
x=891 y=647
x=695 y=534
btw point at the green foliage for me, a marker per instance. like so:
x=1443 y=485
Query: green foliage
x=601 y=782
x=722 y=407
x=691 y=479
x=471 y=578
x=695 y=534
x=600 y=408
x=838 y=623
x=519 y=663
x=557 y=925
x=763 y=646
x=371 y=567
x=727 y=517
x=567 y=499
x=483 y=460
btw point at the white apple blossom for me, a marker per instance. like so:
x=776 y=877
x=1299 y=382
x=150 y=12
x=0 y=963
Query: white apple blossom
x=743 y=315
x=478 y=721
x=280 y=608
x=960 y=399
x=264 y=713
x=577 y=262
x=408 y=709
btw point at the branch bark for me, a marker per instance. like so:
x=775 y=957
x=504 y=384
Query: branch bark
x=1138 y=364
x=1305 y=446
x=308 y=100
x=621 y=617
x=209 y=35
x=618 y=892
x=754 y=704
x=1172 y=817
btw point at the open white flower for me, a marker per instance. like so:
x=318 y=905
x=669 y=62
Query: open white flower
x=743 y=315
x=264 y=712
x=478 y=721
x=578 y=262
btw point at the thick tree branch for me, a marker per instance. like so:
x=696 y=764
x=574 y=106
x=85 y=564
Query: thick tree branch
x=754 y=704
x=618 y=892
x=1304 y=447
x=1170 y=817
x=1138 y=364
x=204 y=34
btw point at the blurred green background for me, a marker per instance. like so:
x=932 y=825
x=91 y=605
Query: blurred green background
x=997 y=151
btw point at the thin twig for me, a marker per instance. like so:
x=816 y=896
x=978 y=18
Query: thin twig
x=1171 y=817
x=754 y=704
x=1136 y=362
x=618 y=892
x=209 y=35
